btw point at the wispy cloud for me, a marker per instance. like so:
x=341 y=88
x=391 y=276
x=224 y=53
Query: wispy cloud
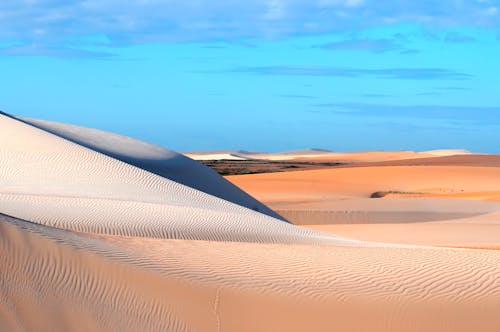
x=386 y=73
x=52 y=51
x=375 y=95
x=480 y=114
x=296 y=96
x=428 y=94
x=380 y=45
x=451 y=88
x=168 y=20
x=456 y=37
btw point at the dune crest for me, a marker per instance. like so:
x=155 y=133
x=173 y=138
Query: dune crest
x=57 y=182
x=166 y=163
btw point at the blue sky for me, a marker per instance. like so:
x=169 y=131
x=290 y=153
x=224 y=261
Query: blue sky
x=260 y=75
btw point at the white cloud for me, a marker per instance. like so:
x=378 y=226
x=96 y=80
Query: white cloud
x=341 y=3
x=143 y=21
x=275 y=10
x=354 y=3
x=492 y=11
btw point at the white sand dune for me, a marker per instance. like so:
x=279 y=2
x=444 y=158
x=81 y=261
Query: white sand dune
x=92 y=241
x=218 y=156
x=448 y=152
x=155 y=159
x=56 y=182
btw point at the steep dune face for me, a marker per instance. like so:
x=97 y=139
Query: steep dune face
x=92 y=243
x=154 y=159
x=56 y=182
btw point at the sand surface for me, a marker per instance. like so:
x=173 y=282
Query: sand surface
x=165 y=163
x=440 y=204
x=91 y=242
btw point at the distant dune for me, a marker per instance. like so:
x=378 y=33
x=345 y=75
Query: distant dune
x=99 y=232
x=443 y=201
x=321 y=155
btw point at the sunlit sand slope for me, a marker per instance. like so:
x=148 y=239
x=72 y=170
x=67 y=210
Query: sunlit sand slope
x=155 y=159
x=56 y=182
x=57 y=280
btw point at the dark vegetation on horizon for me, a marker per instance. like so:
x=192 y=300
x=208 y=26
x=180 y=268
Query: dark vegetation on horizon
x=382 y=194
x=239 y=167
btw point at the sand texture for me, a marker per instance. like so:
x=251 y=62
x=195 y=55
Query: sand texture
x=92 y=239
x=452 y=202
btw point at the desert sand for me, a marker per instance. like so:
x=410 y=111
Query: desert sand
x=442 y=201
x=104 y=233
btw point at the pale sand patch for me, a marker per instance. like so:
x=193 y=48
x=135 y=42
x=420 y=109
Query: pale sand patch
x=58 y=280
x=455 y=234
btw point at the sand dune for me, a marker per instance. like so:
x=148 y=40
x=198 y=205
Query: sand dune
x=56 y=182
x=477 y=160
x=320 y=155
x=154 y=159
x=361 y=182
x=365 y=156
x=81 y=282
x=218 y=156
x=425 y=204
x=92 y=239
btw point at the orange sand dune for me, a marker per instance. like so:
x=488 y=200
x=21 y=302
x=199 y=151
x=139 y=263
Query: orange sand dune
x=482 y=160
x=369 y=156
x=426 y=205
x=333 y=184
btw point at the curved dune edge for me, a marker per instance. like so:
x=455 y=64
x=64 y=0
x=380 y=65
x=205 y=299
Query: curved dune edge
x=154 y=159
x=92 y=243
x=53 y=181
